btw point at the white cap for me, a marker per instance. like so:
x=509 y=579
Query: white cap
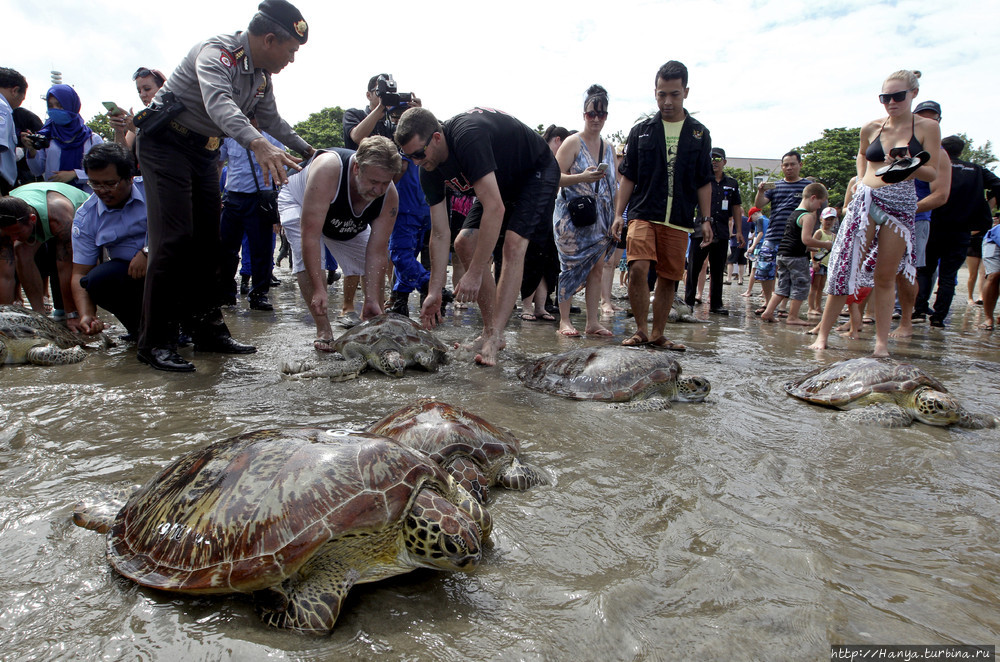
x=829 y=212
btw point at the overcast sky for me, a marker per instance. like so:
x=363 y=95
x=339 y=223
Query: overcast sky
x=765 y=75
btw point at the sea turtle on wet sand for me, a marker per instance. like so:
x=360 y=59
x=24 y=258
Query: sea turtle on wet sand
x=389 y=343
x=27 y=336
x=884 y=392
x=477 y=454
x=648 y=377
x=296 y=517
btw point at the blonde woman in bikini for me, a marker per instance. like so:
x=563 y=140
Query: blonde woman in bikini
x=875 y=241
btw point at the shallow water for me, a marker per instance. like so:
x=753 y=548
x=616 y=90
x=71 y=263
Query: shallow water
x=752 y=526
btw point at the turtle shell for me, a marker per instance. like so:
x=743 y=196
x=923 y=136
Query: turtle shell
x=395 y=330
x=245 y=513
x=608 y=372
x=846 y=382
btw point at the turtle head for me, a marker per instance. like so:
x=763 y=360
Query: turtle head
x=935 y=407
x=391 y=363
x=439 y=534
x=692 y=388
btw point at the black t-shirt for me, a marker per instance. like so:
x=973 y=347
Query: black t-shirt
x=356 y=116
x=791 y=242
x=481 y=141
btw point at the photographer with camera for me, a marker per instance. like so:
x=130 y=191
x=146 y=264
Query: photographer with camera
x=385 y=105
x=213 y=92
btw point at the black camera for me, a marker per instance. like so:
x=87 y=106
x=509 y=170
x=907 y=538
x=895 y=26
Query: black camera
x=386 y=92
x=39 y=141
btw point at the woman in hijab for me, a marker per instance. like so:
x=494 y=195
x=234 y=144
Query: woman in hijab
x=69 y=139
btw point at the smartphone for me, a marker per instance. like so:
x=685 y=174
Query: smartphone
x=602 y=168
x=767 y=186
x=114 y=109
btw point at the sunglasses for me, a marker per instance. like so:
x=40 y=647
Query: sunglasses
x=421 y=153
x=894 y=96
x=717 y=158
x=596 y=114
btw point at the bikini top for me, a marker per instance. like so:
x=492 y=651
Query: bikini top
x=876 y=154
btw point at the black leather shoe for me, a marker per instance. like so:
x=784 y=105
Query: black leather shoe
x=260 y=302
x=275 y=282
x=244 y=285
x=719 y=311
x=164 y=358
x=223 y=345
x=398 y=303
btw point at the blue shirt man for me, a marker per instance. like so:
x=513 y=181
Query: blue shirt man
x=13 y=88
x=241 y=225
x=111 y=222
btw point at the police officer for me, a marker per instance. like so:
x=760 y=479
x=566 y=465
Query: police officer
x=214 y=91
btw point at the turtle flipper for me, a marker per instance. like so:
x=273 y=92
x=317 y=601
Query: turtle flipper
x=335 y=370
x=972 y=421
x=53 y=355
x=468 y=475
x=311 y=605
x=648 y=404
x=882 y=414
x=520 y=476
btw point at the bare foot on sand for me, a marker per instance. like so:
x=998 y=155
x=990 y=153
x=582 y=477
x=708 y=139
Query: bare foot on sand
x=488 y=354
x=795 y=321
x=847 y=333
x=819 y=344
x=902 y=331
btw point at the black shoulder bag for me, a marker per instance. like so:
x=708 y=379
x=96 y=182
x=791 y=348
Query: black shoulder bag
x=583 y=209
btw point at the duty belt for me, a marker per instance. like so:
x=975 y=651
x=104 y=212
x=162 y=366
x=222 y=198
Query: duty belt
x=208 y=143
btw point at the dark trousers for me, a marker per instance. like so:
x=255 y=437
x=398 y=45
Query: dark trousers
x=946 y=252
x=110 y=287
x=716 y=253
x=183 y=204
x=239 y=218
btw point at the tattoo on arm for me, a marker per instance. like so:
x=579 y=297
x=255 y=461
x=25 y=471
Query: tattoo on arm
x=392 y=212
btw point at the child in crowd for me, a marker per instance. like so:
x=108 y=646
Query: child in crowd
x=759 y=222
x=792 y=259
x=820 y=257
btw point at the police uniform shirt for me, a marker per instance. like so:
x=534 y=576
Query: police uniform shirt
x=219 y=87
x=481 y=141
x=121 y=231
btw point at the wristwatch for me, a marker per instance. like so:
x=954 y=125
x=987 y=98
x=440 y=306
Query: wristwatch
x=704 y=219
x=72 y=316
x=145 y=251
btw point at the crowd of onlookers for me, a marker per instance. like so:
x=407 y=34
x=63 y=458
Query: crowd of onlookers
x=74 y=238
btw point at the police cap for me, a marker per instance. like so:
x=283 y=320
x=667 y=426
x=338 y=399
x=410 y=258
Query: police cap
x=287 y=16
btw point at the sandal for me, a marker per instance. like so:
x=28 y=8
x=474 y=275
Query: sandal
x=900 y=169
x=323 y=344
x=760 y=310
x=637 y=339
x=663 y=343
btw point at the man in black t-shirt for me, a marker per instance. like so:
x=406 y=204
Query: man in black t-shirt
x=515 y=179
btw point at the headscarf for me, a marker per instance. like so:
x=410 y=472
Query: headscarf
x=67 y=127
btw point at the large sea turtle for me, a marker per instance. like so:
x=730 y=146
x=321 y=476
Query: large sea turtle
x=477 y=454
x=884 y=392
x=27 y=336
x=296 y=517
x=615 y=374
x=389 y=343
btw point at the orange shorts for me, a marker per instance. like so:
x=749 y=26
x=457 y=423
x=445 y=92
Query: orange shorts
x=658 y=243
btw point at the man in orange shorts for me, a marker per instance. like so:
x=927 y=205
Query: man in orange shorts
x=666 y=173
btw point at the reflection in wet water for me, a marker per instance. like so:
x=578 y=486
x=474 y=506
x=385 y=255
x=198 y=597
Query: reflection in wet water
x=752 y=526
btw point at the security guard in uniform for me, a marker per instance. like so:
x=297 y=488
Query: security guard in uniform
x=221 y=83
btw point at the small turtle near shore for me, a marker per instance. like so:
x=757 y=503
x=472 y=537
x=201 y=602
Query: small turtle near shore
x=885 y=392
x=389 y=343
x=294 y=517
x=646 y=379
